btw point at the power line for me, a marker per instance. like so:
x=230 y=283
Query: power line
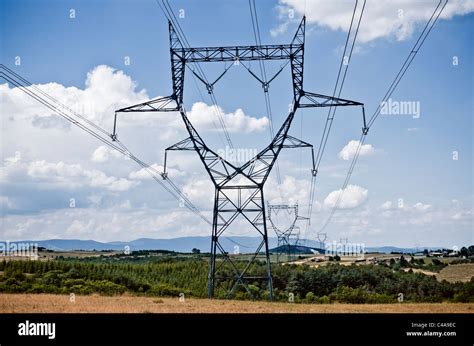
x=61 y=109
x=343 y=67
x=265 y=84
x=419 y=42
x=169 y=14
x=212 y=119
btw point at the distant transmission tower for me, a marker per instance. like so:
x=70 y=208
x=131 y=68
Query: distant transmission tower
x=322 y=238
x=294 y=243
x=238 y=189
x=284 y=232
x=343 y=240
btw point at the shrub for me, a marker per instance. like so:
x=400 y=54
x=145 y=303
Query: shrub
x=350 y=295
x=36 y=288
x=324 y=300
x=106 y=287
x=377 y=298
x=52 y=277
x=164 y=290
x=73 y=282
x=309 y=298
x=254 y=292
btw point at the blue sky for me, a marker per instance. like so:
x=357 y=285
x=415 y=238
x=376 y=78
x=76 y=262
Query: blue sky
x=409 y=159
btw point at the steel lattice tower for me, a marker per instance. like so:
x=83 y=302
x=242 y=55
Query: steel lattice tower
x=322 y=238
x=238 y=190
x=284 y=234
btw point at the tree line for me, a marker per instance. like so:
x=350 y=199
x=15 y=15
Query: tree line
x=171 y=276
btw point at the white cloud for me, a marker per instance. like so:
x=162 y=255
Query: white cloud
x=462 y=215
x=382 y=18
x=421 y=220
x=352 y=197
x=421 y=207
x=280 y=29
x=106 y=89
x=6 y=203
x=201 y=191
x=61 y=175
x=33 y=130
x=202 y=115
x=117 y=223
x=290 y=191
x=74 y=175
x=95 y=199
x=387 y=205
x=104 y=153
x=142 y=174
x=350 y=149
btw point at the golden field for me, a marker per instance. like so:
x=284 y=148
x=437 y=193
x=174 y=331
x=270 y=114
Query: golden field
x=50 y=303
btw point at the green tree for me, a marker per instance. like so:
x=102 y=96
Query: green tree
x=464 y=252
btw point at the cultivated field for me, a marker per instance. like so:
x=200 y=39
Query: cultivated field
x=49 y=303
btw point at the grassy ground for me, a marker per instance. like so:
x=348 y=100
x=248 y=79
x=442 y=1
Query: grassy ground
x=458 y=272
x=49 y=303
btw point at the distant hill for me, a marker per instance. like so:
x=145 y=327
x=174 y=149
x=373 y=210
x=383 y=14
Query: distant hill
x=186 y=244
x=182 y=244
x=297 y=250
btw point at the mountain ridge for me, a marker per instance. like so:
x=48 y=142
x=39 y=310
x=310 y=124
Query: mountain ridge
x=186 y=244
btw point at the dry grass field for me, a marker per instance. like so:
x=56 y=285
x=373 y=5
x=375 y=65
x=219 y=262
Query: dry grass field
x=49 y=303
x=458 y=272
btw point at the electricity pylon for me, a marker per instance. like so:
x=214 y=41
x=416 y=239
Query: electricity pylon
x=285 y=233
x=238 y=189
x=322 y=238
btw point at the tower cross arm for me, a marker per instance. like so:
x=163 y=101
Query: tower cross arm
x=309 y=99
x=161 y=104
x=239 y=53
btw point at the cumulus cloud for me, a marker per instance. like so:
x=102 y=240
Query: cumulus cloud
x=142 y=174
x=421 y=207
x=202 y=116
x=290 y=191
x=201 y=191
x=62 y=175
x=462 y=215
x=104 y=153
x=116 y=223
x=74 y=175
x=350 y=149
x=382 y=18
x=352 y=197
x=106 y=89
x=418 y=207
